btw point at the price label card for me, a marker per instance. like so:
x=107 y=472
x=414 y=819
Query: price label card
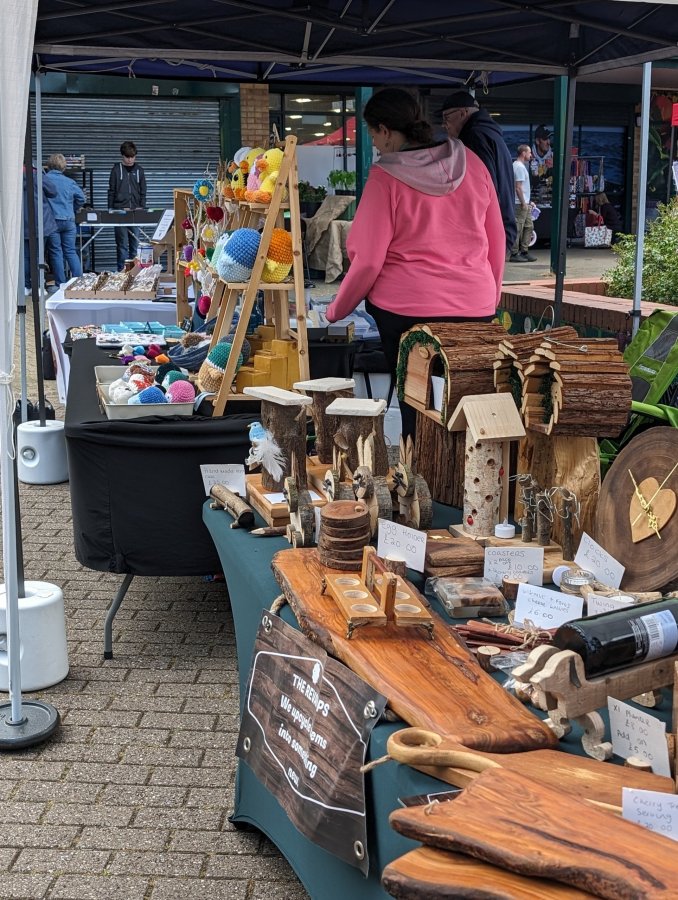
x=231 y=476
x=408 y=543
x=636 y=733
x=163 y=225
x=279 y=496
x=545 y=608
x=500 y=561
x=651 y=809
x=92 y=217
x=593 y=558
x=595 y=605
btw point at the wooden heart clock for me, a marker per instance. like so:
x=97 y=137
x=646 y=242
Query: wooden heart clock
x=636 y=519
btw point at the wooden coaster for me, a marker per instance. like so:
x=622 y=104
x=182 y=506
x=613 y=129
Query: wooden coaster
x=343 y=564
x=355 y=543
x=343 y=533
x=348 y=513
x=341 y=554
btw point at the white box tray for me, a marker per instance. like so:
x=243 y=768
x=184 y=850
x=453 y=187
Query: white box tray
x=139 y=410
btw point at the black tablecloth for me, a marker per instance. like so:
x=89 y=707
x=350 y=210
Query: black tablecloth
x=136 y=487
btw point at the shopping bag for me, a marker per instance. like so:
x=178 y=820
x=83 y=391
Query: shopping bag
x=597 y=236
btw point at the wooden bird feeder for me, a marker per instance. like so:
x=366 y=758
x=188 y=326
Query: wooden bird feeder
x=360 y=419
x=491 y=422
x=323 y=392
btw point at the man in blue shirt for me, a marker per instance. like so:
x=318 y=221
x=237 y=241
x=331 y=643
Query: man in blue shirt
x=64 y=205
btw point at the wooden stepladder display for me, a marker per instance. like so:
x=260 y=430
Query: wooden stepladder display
x=276 y=296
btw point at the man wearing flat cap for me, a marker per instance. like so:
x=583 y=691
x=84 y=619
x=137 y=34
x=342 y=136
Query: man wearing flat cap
x=476 y=129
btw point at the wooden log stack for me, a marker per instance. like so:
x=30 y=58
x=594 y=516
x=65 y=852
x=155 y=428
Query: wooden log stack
x=576 y=387
x=514 y=353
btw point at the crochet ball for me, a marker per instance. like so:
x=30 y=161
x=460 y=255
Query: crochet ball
x=171 y=377
x=181 y=392
x=119 y=391
x=279 y=257
x=149 y=395
x=163 y=369
x=138 y=350
x=138 y=382
x=153 y=351
x=162 y=359
x=204 y=303
x=239 y=255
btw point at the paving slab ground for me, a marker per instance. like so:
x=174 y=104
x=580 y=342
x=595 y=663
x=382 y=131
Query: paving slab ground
x=130 y=799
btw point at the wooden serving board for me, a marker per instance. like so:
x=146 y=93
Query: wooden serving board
x=436 y=684
x=430 y=874
x=581 y=777
x=450 y=555
x=519 y=824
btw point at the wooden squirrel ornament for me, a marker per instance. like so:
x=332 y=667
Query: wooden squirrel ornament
x=415 y=506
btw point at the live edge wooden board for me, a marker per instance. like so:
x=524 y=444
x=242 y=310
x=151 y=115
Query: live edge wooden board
x=435 y=684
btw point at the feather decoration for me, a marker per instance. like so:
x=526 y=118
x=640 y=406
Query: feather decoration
x=265 y=451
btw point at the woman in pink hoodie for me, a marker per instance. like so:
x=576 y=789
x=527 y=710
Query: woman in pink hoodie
x=427 y=243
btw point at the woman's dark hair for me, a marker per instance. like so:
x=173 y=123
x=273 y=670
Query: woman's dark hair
x=128 y=148
x=399 y=111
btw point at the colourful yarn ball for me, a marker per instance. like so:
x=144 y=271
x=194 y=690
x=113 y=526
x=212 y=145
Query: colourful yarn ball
x=181 y=392
x=151 y=394
x=164 y=369
x=203 y=305
x=279 y=258
x=162 y=359
x=237 y=259
x=171 y=377
x=138 y=350
x=203 y=190
x=153 y=351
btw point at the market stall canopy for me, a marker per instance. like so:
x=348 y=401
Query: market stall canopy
x=367 y=42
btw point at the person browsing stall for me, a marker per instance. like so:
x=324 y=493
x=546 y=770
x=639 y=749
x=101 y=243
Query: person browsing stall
x=611 y=218
x=427 y=243
x=126 y=190
x=476 y=129
x=67 y=201
x=524 y=221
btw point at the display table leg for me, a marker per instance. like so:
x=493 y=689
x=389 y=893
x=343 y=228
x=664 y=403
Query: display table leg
x=115 y=606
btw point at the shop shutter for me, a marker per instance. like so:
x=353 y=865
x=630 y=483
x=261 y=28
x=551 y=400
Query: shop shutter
x=177 y=140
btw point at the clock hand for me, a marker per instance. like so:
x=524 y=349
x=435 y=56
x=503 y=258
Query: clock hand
x=663 y=483
x=646 y=506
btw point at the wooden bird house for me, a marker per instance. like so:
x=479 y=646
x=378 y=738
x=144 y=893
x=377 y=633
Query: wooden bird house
x=491 y=422
x=323 y=392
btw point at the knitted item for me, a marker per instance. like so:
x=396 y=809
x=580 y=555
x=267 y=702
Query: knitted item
x=163 y=370
x=192 y=339
x=245 y=350
x=181 y=392
x=162 y=359
x=203 y=190
x=211 y=372
x=269 y=166
x=120 y=391
x=138 y=382
x=203 y=304
x=239 y=255
x=279 y=257
x=149 y=395
x=171 y=377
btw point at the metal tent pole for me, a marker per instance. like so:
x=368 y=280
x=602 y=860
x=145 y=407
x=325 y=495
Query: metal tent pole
x=564 y=199
x=642 y=190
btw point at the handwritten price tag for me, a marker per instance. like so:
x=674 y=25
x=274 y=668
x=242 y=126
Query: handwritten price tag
x=406 y=542
x=500 y=561
x=594 y=558
x=595 y=605
x=636 y=733
x=651 y=809
x=545 y=608
x=231 y=476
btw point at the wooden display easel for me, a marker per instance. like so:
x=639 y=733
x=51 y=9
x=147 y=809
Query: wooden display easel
x=181 y=198
x=276 y=296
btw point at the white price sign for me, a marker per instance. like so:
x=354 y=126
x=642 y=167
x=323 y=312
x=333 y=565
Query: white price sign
x=596 y=604
x=163 y=225
x=651 y=809
x=636 y=733
x=231 y=476
x=399 y=540
x=545 y=608
x=500 y=561
x=594 y=558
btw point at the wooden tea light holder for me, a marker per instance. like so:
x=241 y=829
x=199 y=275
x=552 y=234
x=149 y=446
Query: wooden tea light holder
x=555 y=681
x=283 y=415
x=377 y=597
x=491 y=422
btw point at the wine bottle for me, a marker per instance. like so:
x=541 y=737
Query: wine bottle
x=624 y=637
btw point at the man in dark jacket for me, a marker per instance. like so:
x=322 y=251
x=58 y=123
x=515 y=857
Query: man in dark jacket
x=126 y=190
x=476 y=129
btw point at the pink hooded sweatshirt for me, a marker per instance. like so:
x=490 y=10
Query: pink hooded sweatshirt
x=427 y=239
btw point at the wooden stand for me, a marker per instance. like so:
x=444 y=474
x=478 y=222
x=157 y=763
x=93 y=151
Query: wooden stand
x=323 y=392
x=377 y=597
x=276 y=296
x=360 y=433
x=560 y=686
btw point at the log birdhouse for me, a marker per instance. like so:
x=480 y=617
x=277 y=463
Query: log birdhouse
x=462 y=353
x=491 y=422
x=283 y=415
x=359 y=437
x=322 y=392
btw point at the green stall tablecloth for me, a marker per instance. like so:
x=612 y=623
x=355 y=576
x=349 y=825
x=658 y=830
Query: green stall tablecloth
x=246 y=562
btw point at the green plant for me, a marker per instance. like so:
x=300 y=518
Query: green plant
x=310 y=194
x=340 y=178
x=660 y=260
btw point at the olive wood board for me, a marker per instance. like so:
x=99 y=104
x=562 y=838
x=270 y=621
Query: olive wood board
x=580 y=777
x=519 y=824
x=435 y=683
x=271 y=513
x=431 y=874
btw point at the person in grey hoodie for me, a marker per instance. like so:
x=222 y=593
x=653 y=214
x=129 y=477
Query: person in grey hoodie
x=476 y=129
x=126 y=190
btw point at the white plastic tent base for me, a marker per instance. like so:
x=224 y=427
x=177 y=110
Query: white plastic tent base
x=41 y=452
x=43 y=651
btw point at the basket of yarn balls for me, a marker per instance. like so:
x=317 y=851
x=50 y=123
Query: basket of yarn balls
x=211 y=372
x=152 y=394
x=237 y=259
x=279 y=258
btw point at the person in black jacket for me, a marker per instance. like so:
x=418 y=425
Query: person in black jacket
x=476 y=129
x=611 y=217
x=127 y=190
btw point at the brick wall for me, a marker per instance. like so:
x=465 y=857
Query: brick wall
x=254 y=125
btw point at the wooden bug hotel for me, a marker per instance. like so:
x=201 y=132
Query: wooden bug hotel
x=514 y=353
x=576 y=387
